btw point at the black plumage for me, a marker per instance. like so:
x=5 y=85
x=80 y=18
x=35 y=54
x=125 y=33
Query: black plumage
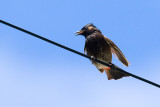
x=101 y=48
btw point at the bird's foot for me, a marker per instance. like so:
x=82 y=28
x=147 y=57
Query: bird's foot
x=92 y=59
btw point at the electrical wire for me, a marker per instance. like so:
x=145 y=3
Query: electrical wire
x=79 y=53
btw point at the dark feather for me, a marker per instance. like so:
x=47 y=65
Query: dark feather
x=114 y=74
x=115 y=50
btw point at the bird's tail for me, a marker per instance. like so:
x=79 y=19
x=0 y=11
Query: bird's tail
x=114 y=74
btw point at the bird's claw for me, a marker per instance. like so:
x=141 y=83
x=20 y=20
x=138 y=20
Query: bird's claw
x=92 y=59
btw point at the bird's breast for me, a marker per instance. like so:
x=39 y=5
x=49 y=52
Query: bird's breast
x=97 y=46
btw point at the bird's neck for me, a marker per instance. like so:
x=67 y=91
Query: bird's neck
x=94 y=35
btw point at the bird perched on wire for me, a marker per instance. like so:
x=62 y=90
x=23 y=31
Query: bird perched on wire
x=100 y=47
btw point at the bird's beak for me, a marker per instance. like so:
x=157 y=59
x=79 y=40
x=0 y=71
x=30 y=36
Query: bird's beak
x=79 y=32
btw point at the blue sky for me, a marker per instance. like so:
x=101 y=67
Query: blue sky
x=34 y=73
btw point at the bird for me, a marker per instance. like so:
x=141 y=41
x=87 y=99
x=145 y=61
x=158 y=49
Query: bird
x=97 y=46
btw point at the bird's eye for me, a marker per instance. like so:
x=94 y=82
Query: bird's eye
x=84 y=28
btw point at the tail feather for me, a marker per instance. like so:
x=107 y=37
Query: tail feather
x=109 y=75
x=114 y=74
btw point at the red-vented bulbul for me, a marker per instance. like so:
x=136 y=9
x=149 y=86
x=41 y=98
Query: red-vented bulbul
x=100 y=47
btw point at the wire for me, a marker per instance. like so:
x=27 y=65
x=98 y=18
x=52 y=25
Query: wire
x=79 y=53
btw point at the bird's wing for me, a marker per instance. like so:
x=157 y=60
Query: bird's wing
x=115 y=50
x=84 y=50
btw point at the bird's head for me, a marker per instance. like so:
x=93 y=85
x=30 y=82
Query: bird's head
x=87 y=30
